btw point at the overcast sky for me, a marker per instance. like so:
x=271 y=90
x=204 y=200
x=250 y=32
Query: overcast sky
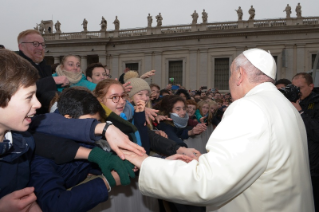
x=19 y=15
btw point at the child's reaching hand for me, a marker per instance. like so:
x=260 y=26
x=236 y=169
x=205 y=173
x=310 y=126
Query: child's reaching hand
x=139 y=106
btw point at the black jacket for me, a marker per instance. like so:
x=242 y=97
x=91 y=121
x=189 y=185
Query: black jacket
x=46 y=87
x=310 y=106
x=15 y=163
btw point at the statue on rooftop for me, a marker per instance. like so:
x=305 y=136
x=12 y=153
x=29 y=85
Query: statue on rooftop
x=103 y=24
x=204 y=16
x=239 y=14
x=116 y=23
x=159 y=19
x=251 y=13
x=41 y=27
x=149 y=20
x=288 y=11
x=195 y=17
x=298 y=10
x=85 y=25
x=36 y=27
x=57 y=27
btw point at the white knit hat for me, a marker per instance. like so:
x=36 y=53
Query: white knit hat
x=137 y=84
x=262 y=60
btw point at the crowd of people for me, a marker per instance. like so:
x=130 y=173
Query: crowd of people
x=68 y=135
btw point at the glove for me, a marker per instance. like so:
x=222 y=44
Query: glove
x=108 y=161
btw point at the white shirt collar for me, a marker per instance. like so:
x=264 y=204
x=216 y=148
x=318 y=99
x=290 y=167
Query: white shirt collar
x=8 y=136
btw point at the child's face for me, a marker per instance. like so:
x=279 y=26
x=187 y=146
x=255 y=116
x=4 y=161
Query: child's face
x=191 y=110
x=180 y=109
x=98 y=74
x=155 y=92
x=115 y=92
x=21 y=107
x=72 y=64
x=205 y=109
x=142 y=95
x=182 y=95
x=213 y=109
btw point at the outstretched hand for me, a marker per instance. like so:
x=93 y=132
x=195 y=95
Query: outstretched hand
x=190 y=152
x=118 y=140
x=108 y=161
x=148 y=74
x=160 y=118
x=150 y=115
x=184 y=158
x=137 y=160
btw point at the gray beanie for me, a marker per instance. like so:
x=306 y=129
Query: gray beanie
x=137 y=84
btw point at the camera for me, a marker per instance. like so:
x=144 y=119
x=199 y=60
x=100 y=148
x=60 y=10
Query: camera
x=291 y=92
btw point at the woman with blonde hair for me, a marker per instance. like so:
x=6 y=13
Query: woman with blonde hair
x=202 y=113
x=71 y=68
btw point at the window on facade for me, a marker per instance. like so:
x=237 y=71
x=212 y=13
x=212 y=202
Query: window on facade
x=92 y=59
x=175 y=70
x=221 y=73
x=132 y=66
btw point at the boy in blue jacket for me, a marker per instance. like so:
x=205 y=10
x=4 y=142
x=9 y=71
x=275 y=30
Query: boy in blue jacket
x=18 y=104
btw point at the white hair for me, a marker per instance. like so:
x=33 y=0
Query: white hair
x=254 y=74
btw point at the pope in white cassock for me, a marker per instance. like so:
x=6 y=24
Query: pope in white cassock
x=257 y=157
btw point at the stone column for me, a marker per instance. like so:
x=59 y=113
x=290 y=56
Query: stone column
x=161 y=75
x=56 y=59
x=191 y=80
x=148 y=67
x=203 y=72
x=301 y=58
x=116 y=72
x=288 y=67
x=84 y=63
x=102 y=59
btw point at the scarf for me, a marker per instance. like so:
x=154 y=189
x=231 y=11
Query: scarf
x=178 y=121
x=72 y=77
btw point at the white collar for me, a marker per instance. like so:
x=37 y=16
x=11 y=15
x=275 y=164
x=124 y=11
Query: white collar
x=8 y=136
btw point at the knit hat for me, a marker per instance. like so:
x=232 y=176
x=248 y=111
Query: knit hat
x=137 y=84
x=262 y=60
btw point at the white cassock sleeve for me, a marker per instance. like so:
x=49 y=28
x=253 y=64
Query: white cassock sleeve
x=238 y=152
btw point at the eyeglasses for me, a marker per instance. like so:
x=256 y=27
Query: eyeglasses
x=36 y=44
x=116 y=99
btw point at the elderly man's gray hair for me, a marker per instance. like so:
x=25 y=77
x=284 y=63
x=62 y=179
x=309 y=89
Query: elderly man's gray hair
x=254 y=74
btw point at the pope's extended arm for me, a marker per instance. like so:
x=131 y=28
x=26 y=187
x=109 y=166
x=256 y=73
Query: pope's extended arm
x=235 y=160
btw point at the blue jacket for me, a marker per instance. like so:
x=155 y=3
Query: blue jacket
x=51 y=182
x=174 y=133
x=15 y=163
x=83 y=83
x=58 y=125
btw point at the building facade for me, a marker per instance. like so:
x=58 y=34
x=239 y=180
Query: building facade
x=194 y=55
